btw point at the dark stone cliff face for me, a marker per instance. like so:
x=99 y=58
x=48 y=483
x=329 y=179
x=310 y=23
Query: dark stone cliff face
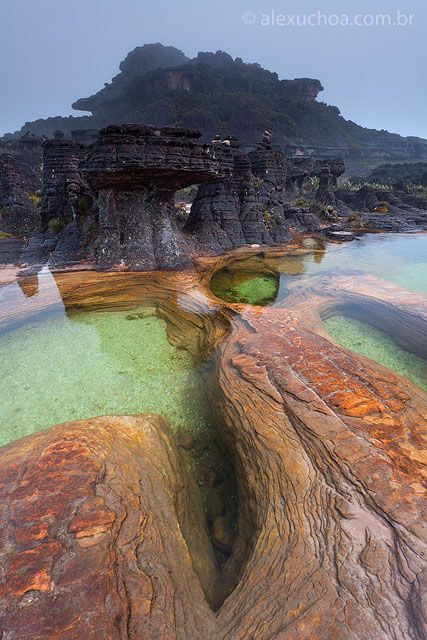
x=114 y=202
x=109 y=199
x=218 y=95
x=18 y=210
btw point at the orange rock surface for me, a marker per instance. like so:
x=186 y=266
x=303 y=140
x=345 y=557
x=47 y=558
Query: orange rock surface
x=103 y=532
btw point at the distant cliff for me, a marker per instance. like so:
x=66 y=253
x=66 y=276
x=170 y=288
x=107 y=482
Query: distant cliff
x=219 y=95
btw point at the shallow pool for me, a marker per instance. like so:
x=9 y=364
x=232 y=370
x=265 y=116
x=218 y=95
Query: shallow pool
x=62 y=368
x=378 y=346
x=400 y=258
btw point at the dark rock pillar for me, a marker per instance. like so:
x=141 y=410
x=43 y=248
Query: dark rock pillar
x=215 y=218
x=63 y=183
x=325 y=193
x=18 y=211
x=269 y=178
x=135 y=172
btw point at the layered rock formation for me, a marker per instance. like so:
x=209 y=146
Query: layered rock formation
x=18 y=210
x=219 y=95
x=134 y=172
x=104 y=539
x=253 y=206
x=415 y=173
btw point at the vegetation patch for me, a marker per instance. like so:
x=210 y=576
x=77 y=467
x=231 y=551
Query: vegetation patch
x=267 y=217
x=301 y=202
x=36 y=198
x=56 y=225
x=356 y=220
x=382 y=207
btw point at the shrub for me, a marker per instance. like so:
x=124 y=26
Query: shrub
x=356 y=220
x=347 y=183
x=257 y=182
x=35 y=197
x=382 y=207
x=267 y=218
x=312 y=183
x=301 y=202
x=416 y=189
x=82 y=205
x=56 y=225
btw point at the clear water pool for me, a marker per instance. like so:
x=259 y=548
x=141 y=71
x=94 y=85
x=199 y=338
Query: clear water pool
x=95 y=363
x=378 y=346
x=400 y=258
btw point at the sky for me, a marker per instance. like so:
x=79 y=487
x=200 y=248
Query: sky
x=55 y=51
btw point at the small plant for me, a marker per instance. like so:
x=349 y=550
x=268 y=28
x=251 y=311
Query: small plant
x=378 y=186
x=56 y=225
x=312 y=183
x=416 y=189
x=328 y=213
x=301 y=202
x=356 y=220
x=82 y=205
x=257 y=182
x=349 y=185
x=382 y=207
x=267 y=218
x=36 y=198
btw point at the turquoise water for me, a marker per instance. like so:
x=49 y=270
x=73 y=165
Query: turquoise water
x=378 y=346
x=59 y=369
x=399 y=258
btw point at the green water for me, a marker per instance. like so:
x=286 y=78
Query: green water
x=243 y=287
x=378 y=346
x=399 y=258
x=61 y=369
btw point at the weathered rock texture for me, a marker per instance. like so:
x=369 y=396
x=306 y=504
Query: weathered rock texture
x=216 y=94
x=18 y=211
x=327 y=453
x=135 y=172
x=252 y=206
x=112 y=203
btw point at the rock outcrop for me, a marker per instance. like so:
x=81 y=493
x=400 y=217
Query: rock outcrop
x=415 y=173
x=101 y=529
x=134 y=172
x=19 y=213
x=218 y=95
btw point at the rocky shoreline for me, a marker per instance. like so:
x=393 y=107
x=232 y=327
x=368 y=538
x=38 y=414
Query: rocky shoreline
x=106 y=533
x=110 y=199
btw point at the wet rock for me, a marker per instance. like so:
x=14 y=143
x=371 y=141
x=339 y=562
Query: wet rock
x=222 y=534
x=214 y=504
x=185 y=440
x=328 y=453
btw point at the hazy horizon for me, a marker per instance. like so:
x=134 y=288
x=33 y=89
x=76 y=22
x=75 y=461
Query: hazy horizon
x=54 y=52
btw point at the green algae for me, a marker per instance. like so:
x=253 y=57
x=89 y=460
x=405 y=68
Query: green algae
x=243 y=287
x=379 y=346
x=95 y=363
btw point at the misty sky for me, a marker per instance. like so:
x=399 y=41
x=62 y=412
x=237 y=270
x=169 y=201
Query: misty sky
x=55 y=51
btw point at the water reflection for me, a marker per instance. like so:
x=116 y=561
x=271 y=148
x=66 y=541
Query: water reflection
x=265 y=278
